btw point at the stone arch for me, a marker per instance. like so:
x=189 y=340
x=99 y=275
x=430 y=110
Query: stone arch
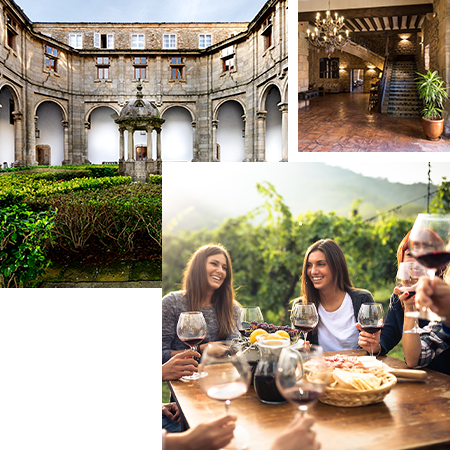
x=14 y=93
x=225 y=100
x=52 y=100
x=178 y=135
x=265 y=92
x=51 y=130
x=230 y=123
x=284 y=91
x=176 y=105
x=272 y=104
x=115 y=108
x=102 y=134
x=8 y=129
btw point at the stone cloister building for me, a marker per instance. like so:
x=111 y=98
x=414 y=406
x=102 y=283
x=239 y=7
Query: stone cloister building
x=221 y=88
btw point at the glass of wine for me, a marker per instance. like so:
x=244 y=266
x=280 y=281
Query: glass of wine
x=429 y=245
x=226 y=376
x=247 y=315
x=191 y=329
x=408 y=275
x=302 y=375
x=304 y=317
x=371 y=318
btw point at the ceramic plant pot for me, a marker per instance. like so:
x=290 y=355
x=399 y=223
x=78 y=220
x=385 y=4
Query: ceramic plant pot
x=433 y=128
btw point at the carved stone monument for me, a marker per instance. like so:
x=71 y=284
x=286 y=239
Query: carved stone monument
x=136 y=115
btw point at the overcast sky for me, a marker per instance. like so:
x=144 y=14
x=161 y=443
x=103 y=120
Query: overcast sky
x=147 y=11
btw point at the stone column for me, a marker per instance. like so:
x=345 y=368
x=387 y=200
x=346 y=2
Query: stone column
x=19 y=157
x=149 y=144
x=65 y=124
x=130 y=144
x=261 y=136
x=158 y=144
x=87 y=126
x=215 y=125
x=194 y=141
x=303 y=65
x=284 y=131
x=121 y=144
x=32 y=142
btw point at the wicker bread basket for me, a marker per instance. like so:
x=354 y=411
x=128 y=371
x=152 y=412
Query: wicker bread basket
x=350 y=398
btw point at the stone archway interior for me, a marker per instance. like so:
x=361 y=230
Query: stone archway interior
x=230 y=135
x=51 y=131
x=177 y=139
x=103 y=136
x=273 y=126
x=6 y=127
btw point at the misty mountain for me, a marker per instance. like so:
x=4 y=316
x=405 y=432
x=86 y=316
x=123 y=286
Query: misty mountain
x=193 y=199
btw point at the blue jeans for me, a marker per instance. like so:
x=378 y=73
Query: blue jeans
x=171 y=427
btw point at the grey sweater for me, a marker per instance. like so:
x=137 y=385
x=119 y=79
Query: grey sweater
x=173 y=305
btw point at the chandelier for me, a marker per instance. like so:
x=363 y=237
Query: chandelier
x=327 y=33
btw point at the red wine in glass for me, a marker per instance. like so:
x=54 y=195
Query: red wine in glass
x=304 y=328
x=434 y=260
x=303 y=396
x=192 y=343
x=372 y=330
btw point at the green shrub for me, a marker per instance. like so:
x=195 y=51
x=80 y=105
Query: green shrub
x=23 y=235
x=155 y=179
x=19 y=188
x=111 y=216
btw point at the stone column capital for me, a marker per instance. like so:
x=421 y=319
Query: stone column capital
x=261 y=115
x=65 y=123
x=283 y=106
x=17 y=115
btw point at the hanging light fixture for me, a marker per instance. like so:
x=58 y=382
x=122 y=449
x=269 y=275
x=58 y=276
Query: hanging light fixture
x=327 y=33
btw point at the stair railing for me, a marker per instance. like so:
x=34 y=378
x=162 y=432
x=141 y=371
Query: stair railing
x=382 y=85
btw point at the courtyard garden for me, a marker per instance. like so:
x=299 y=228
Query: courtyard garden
x=85 y=216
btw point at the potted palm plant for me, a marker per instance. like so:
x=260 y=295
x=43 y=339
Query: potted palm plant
x=432 y=91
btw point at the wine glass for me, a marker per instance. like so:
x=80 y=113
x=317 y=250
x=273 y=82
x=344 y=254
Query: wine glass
x=408 y=275
x=429 y=245
x=304 y=317
x=371 y=318
x=191 y=329
x=302 y=375
x=226 y=376
x=247 y=315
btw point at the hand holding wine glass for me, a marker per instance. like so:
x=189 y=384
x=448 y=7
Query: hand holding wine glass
x=429 y=244
x=191 y=329
x=304 y=317
x=302 y=375
x=408 y=275
x=226 y=377
x=371 y=318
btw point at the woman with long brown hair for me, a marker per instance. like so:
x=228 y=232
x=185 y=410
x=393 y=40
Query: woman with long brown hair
x=396 y=323
x=207 y=287
x=327 y=284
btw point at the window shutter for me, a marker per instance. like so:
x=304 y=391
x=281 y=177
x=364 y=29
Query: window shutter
x=97 y=40
x=110 y=41
x=72 y=40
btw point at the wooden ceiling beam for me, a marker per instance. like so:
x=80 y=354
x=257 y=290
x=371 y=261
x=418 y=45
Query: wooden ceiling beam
x=360 y=13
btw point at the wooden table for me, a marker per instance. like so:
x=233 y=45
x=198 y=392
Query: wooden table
x=415 y=414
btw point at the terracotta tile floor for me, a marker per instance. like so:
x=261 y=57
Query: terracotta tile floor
x=341 y=123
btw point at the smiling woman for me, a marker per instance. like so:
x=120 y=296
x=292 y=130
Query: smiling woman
x=207 y=287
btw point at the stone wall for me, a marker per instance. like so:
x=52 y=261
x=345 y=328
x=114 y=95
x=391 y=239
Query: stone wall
x=204 y=86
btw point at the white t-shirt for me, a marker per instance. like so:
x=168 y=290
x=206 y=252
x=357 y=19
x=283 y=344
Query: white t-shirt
x=337 y=330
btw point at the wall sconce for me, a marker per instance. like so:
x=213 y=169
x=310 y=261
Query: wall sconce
x=37 y=133
x=342 y=68
x=380 y=75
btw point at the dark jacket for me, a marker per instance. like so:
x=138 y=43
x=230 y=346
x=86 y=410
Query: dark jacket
x=358 y=296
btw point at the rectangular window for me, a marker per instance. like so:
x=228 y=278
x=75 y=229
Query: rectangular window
x=103 y=40
x=204 y=40
x=11 y=31
x=140 y=73
x=176 y=68
x=228 y=58
x=170 y=41
x=103 y=67
x=329 y=68
x=76 y=40
x=140 y=67
x=51 y=58
x=137 y=41
x=267 y=32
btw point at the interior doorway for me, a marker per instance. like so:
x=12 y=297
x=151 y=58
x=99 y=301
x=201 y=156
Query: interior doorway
x=43 y=155
x=357 y=81
x=141 y=153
